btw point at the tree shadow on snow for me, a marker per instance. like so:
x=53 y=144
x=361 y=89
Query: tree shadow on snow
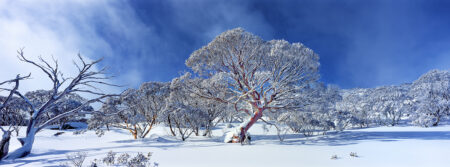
x=31 y=158
x=165 y=142
x=353 y=137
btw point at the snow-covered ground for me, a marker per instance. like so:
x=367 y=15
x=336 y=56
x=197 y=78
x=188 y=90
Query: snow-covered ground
x=382 y=146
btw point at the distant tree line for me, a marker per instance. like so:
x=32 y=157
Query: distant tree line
x=236 y=78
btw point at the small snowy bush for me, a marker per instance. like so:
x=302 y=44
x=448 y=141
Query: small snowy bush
x=123 y=159
x=353 y=154
x=140 y=160
x=77 y=159
x=334 y=157
x=109 y=159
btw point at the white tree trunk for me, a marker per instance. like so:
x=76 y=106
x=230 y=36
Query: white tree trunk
x=26 y=147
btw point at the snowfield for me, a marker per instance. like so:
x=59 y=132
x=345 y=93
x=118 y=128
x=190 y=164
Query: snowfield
x=381 y=146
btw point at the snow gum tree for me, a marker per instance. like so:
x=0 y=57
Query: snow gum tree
x=390 y=103
x=143 y=108
x=262 y=75
x=354 y=109
x=136 y=110
x=68 y=102
x=314 y=113
x=431 y=93
x=181 y=112
x=186 y=111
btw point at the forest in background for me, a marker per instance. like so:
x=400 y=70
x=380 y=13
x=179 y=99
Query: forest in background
x=238 y=77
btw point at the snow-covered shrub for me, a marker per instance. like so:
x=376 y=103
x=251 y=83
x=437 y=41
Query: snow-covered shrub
x=110 y=158
x=77 y=159
x=140 y=160
x=353 y=154
x=123 y=159
x=334 y=157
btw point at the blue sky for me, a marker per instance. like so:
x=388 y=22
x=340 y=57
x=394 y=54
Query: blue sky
x=360 y=43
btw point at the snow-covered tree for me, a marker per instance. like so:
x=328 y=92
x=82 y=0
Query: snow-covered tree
x=354 y=109
x=131 y=116
x=8 y=113
x=186 y=113
x=67 y=103
x=108 y=116
x=153 y=98
x=143 y=108
x=316 y=104
x=212 y=111
x=14 y=113
x=181 y=113
x=390 y=103
x=136 y=110
x=87 y=77
x=431 y=94
x=262 y=75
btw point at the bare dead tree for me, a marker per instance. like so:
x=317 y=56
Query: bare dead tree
x=87 y=81
x=4 y=143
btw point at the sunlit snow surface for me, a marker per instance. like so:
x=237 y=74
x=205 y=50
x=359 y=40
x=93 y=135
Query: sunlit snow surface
x=382 y=146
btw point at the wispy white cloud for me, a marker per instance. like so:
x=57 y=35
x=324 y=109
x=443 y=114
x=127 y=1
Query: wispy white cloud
x=62 y=29
x=360 y=44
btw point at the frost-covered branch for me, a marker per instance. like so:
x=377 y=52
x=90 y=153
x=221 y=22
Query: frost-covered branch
x=62 y=87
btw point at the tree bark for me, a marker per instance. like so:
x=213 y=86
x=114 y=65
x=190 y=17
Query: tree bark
x=134 y=132
x=244 y=127
x=252 y=121
x=26 y=147
x=4 y=144
x=170 y=126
